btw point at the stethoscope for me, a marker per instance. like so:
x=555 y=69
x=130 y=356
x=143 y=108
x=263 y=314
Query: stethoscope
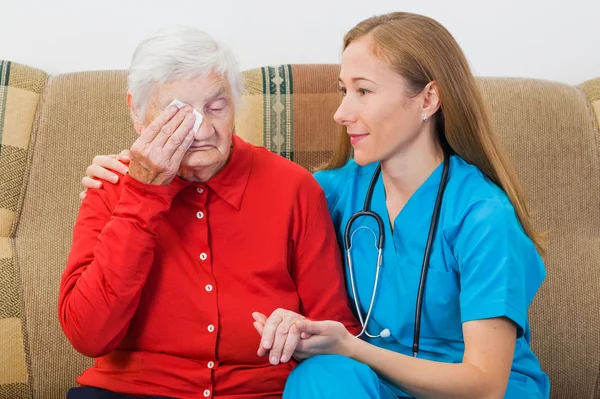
x=379 y=244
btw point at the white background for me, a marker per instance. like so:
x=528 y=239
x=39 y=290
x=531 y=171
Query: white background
x=547 y=39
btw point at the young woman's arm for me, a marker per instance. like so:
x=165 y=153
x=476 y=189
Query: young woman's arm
x=483 y=373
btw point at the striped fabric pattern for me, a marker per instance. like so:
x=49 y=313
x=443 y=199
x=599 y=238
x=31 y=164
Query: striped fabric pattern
x=284 y=99
x=278 y=112
x=20 y=89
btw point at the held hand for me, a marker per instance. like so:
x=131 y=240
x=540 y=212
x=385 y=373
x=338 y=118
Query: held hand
x=259 y=324
x=102 y=168
x=156 y=155
x=279 y=334
x=327 y=337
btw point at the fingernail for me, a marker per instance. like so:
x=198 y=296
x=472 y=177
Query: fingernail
x=173 y=108
x=125 y=171
x=114 y=179
x=266 y=344
x=284 y=358
x=274 y=360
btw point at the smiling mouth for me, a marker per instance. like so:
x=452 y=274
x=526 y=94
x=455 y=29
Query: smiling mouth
x=355 y=138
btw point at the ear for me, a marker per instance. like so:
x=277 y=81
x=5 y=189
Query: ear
x=138 y=124
x=431 y=99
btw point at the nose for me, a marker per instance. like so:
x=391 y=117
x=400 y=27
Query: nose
x=205 y=130
x=345 y=114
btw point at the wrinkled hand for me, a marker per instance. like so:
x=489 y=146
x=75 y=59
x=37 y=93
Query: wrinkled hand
x=157 y=153
x=102 y=169
x=279 y=334
x=326 y=337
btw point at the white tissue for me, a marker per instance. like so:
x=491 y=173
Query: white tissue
x=199 y=117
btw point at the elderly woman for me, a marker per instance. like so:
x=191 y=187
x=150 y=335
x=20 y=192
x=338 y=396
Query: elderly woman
x=167 y=265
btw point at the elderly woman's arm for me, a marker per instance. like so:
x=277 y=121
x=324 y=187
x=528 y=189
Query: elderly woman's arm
x=112 y=253
x=115 y=236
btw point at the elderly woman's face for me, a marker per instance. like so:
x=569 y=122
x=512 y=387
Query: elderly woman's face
x=211 y=95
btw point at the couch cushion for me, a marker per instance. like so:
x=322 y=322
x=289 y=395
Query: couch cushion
x=289 y=110
x=592 y=90
x=551 y=136
x=20 y=89
x=80 y=115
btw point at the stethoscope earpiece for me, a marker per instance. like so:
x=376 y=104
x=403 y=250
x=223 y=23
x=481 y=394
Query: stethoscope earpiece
x=385 y=333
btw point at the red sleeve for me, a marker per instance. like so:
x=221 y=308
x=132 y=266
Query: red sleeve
x=111 y=256
x=318 y=270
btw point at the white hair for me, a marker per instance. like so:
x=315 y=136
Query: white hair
x=179 y=53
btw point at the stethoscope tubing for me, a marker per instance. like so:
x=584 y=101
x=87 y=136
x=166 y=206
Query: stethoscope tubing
x=366 y=212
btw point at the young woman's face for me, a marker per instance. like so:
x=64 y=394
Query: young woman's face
x=381 y=116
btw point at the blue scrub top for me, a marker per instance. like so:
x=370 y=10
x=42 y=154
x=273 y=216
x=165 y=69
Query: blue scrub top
x=483 y=265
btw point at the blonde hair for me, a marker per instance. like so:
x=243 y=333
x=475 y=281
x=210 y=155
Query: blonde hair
x=421 y=50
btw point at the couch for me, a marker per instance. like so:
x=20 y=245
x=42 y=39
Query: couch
x=52 y=126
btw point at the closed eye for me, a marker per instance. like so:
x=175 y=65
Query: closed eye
x=218 y=105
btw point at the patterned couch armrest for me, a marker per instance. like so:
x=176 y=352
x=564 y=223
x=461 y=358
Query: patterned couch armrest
x=20 y=91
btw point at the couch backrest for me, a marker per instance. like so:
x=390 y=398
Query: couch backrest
x=549 y=129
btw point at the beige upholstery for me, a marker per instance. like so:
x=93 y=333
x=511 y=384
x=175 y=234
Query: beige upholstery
x=550 y=131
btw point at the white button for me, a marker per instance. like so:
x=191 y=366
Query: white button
x=206 y=393
x=210 y=365
x=203 y=256
x=200 y=190
x=199 y=215
x=208 y=287
x=211 y=328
